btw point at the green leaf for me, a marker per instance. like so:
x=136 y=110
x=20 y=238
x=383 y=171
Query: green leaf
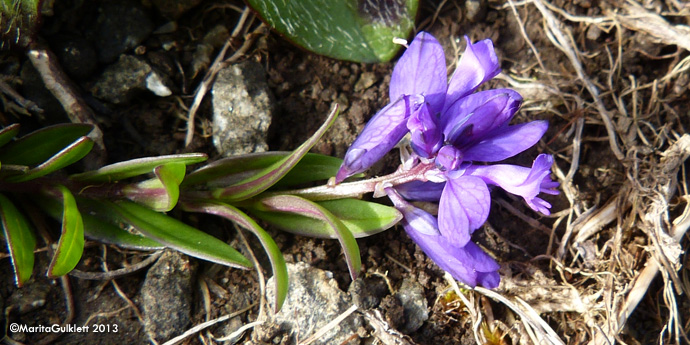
x=20 y=240
x=71 y=244
x=161 y=193
x=135 y=167
x=38 y=146
x=362 y=218
x=8 y=133
x=260 y=182
x=355 y=30
x=69 y=155
x=277 y=261
x=177 y=235
x=303 y=207
x=100 y=223
x=227 y=171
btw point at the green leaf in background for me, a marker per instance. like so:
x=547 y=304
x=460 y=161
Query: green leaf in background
x=19 y=20
x=20 y=240
x=136 y=167
x=263 y=180
x=277 y=261
x=308 y=208
x=161 y=193
x=362 y=218
x=69 y=155
x=38 y=146
x=177 y=235
x=355 y=30
x=71 y=244
x=8 y=133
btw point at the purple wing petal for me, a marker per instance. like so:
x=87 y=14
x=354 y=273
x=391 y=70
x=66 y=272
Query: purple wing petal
x=421 y=191
x=506 y=142
x=468 y=264
x=464 y=207
x=477 y=65
x=379 y=136
x=421 y=70
x=426 y=136
x=474 y=116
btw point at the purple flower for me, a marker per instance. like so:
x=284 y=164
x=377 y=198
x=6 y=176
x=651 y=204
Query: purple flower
x=453 y=128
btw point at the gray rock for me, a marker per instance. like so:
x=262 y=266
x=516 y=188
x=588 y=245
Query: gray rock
x=167 y=296
x=243 y=107
x=414 y=304
x=313 y=300
x=121 y=26
x=367 y=292
x=128 y=77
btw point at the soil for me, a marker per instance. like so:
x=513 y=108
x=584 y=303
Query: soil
x=578 y=286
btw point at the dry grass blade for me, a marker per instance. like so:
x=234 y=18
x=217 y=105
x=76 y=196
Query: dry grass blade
x=539 y=330
x=565 y=44
x=637 y=18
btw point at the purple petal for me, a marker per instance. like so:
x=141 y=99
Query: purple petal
x=472 y=117
x=525 y=182
x=421 y=70
x=468 y=264
x=464 y=207
x=506 y=142
x=449 y=158
x=421 y=191
x=426 y=136
x=477 y=65
x=378 y=137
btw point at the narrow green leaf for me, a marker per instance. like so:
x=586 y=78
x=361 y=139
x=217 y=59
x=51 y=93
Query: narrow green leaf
x=38 y=146
x=135 y=167
x=161 y=193
x=69 y=155
x=8 y=133
x=308 y=208
x=277 y=261
x=101 y=224
x=260 y=182
x=355 y=30
x=227 y=171
x=177 y=235
x=362 y=218
x=20 y=240
x=106 y=232
x=71 y=244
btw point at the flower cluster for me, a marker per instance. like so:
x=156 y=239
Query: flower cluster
x=452 y=129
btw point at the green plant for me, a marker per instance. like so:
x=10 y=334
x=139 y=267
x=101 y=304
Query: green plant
x=103 y=204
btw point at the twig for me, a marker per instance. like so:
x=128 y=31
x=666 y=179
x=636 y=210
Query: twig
x=118 y=272
x=23 y=102
x=61 y=87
